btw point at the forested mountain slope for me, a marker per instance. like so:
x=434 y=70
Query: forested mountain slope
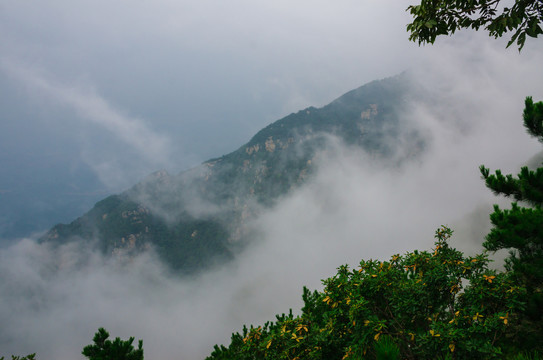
x=197 y=217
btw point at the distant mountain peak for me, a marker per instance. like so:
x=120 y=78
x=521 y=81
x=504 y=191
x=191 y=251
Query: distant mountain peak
x=198 y=217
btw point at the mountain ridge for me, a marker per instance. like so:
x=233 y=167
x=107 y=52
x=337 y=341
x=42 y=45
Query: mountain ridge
x=197 y=217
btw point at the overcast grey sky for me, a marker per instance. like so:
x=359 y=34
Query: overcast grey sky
x=94 y=95
x=103 y=92
x=168 y=84
x=97 y=94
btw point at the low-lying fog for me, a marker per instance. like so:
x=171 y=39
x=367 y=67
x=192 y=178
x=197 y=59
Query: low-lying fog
x=352 y=209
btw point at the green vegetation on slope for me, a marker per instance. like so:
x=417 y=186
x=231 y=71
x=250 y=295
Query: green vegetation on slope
x=428 y=304
x=198 y=217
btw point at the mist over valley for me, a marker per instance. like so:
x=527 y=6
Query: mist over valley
x=181 y=241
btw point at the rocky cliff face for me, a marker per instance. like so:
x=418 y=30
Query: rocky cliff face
x=197 y=218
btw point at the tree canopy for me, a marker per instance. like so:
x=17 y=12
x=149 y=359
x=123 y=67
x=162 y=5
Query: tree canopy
x=439 y=304
x=432 y=18
x=520 y=229
x=104 y=349
x=421 y=305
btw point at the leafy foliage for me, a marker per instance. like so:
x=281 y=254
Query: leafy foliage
x=104 y=349
x=419 y=305
x=432 y=18
x=519 y=229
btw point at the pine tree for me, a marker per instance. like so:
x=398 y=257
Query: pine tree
x=104 y=349
x=520 y=229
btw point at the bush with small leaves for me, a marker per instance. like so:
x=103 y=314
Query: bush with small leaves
x=425 y=304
